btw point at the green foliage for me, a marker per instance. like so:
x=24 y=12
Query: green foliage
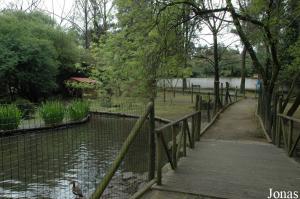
x=141 y=50
x=229 y=62
x=34 y=53
x=52 y=112
x=10 y=117
x=78 y=110
x=26 y=107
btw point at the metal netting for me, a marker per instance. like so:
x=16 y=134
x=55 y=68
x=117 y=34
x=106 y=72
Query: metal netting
x=41 y=163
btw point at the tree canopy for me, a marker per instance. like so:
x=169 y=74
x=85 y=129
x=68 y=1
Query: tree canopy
x=35 y=53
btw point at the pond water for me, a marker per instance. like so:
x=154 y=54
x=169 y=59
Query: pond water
x=42 y=164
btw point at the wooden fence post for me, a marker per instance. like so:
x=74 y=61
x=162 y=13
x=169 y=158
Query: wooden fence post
x=199 y=118
x=174 y=92
x=158 y=157
x=193 y=132
x=164 y=90
x=290 y=138
x=197 y=102
x=208 y=108
x=227 y=93
x=192 y=93
x=174 y=146
x=184 y=138
x=197 y=130
x=222 y=92
x=279 y=128
x=151 y=173
x=235 y=94
x=274 y=123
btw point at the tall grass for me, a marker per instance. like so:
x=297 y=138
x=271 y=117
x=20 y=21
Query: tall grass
x=78 y=109
x=52 y=112
x=10 y=117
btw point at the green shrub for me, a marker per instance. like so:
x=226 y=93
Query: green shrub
x=10 y=117
x=26 y=107
x=105 y=101
x=52 y=112
x=78 y=110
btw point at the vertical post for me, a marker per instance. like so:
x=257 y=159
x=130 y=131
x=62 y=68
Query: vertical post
x=158 y=157
x=164 y=90
x=279 y=123
x=290 y=139
x=192 y=93
x=208 y=108
x=174 y=91
x=274 y=123
x=151 y=167
x=193 y=132
x=197 y=102
x=184 y=138
x=235 y=93
x=198 y=117
x=222 y=92
x=174 y=146
x=227 y=93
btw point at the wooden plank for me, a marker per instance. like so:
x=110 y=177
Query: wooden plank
x=165 y=147
x=174 y=146
x=176 y=121
x=246 y=174
x=289 y=118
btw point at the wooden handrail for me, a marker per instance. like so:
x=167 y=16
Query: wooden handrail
x=116 y=163
x=175 y=122
x=289 y=118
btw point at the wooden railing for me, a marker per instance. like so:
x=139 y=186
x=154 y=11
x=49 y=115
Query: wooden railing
x=125 y=147
x=278 y=127
x=285 y=133
x=183 y=135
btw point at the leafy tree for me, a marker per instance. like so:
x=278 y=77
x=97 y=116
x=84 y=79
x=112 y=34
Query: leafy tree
x=34 y=53
x=144 y=48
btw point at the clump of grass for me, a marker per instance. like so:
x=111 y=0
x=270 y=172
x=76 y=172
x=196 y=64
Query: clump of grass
x=78 y=109
x=10 y=117
x=52 y=112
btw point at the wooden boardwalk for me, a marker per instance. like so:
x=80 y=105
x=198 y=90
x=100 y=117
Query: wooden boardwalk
x=231 y=161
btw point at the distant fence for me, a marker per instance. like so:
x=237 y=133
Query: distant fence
x=250 y=83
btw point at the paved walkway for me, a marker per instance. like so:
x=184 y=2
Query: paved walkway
x=232 y=160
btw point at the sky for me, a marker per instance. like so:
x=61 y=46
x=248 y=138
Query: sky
x=66 y=7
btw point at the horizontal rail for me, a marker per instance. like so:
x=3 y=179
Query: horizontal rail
x=289 y=118
x=177 y=121
x=125 y=147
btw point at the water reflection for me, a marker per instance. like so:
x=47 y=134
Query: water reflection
x=42 y=164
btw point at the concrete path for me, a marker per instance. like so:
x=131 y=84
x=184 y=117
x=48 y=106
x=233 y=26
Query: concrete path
x=232 y=160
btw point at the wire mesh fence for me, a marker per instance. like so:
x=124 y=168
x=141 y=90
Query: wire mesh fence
x=44 y=162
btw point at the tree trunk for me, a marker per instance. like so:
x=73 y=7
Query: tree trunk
x=217 y=102
x=86 y=38
x=243 y=71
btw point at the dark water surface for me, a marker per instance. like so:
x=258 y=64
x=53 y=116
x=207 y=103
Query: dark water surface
x=42 y=164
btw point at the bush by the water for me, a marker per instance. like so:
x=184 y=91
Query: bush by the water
x=10 y=117
x=78 y=109
x=26 y=107
x=52 y=112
